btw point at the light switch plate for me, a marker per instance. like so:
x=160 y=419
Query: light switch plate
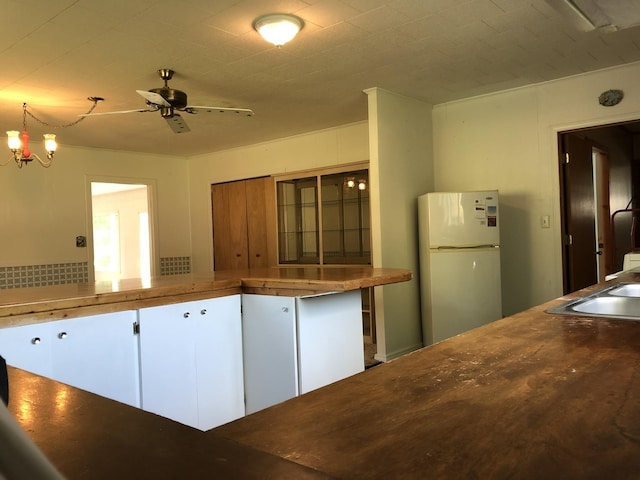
x=544 y=221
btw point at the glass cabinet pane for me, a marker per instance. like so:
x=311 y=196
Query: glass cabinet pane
x=342 y=237
x=345 y=218
x=298 y=221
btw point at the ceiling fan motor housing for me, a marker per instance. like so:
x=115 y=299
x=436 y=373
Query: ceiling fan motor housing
x=177 y=98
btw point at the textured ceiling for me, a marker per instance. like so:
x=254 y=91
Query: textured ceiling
x=59 y=52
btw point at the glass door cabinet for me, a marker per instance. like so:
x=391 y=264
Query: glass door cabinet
x=324 y=219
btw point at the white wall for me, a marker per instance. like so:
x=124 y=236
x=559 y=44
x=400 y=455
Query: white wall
x=401 y=169
x=508 y=141
x=42 y=210
x=324 y=148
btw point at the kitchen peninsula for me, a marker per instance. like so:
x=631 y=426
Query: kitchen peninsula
x=228 y=343
x=534 y=395
x=30 y=305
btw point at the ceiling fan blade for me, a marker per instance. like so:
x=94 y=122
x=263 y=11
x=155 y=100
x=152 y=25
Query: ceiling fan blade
x=118 y=112
x=197 y=109
x=154 y=98
x=177 y=124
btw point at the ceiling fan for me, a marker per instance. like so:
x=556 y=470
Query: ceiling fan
x=168 y=101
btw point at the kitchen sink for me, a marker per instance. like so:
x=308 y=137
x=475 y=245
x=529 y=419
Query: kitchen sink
x=621 y=300
x=626 y=290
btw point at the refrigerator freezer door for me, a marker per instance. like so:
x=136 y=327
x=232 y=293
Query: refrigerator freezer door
x=465 y=291
x=461 y=219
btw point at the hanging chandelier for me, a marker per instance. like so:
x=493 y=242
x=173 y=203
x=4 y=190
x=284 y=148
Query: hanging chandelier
x=18 y=142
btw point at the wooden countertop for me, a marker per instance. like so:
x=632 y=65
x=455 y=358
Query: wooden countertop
x=534 y=395
x=88 y=436
x=30 y=305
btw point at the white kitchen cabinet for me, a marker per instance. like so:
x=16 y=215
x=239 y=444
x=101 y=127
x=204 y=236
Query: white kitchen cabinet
x=270 y=350
x=191 y=361
x=97 y=353
x=293 y=345
x=28 y=347
x=330 y=338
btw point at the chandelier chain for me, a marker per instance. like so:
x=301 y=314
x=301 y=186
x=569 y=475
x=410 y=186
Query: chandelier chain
x=26 y=112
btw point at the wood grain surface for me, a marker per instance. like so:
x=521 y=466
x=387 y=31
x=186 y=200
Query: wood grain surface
x=531 y=396
x=534 y=396
x=37 y=304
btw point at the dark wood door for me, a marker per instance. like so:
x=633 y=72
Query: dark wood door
x=579 y=227
x=230 y=249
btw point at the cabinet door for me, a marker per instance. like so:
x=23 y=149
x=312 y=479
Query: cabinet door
x=244 y=224
x=191 y=361
x=168 y=362
x=98 y=353
x=261 y=222
x=329 y=338
x=269 y=349
x=218 y=347
x=298 y=223
x=229 y=204
x=27 y=347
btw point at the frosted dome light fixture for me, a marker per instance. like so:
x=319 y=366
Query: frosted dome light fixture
x=278 y=28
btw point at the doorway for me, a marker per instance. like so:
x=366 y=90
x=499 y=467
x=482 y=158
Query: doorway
x=121 y=231
x=596 y=166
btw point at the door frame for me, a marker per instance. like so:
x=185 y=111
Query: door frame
x=152 y=189
x=556 y=131
x=597 y=177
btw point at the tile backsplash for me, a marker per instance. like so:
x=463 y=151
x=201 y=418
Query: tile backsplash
x=175 y=265
x=75 y=272
x=47 y=274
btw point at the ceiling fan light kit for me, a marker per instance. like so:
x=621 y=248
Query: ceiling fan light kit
x=278 y=28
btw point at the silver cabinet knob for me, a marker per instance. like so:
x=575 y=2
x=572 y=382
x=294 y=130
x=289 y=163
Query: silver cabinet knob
x=35 y=340
x=62 y=335
x=285 y=309
x=203 y=311
x=186 y=315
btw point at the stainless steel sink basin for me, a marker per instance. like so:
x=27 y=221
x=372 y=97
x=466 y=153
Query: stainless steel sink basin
x=617 y=301
x=616 y=306
x=626 y=290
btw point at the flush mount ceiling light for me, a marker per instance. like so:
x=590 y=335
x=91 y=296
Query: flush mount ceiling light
x=278 y=28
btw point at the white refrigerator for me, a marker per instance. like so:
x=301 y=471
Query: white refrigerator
x=459 y=250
